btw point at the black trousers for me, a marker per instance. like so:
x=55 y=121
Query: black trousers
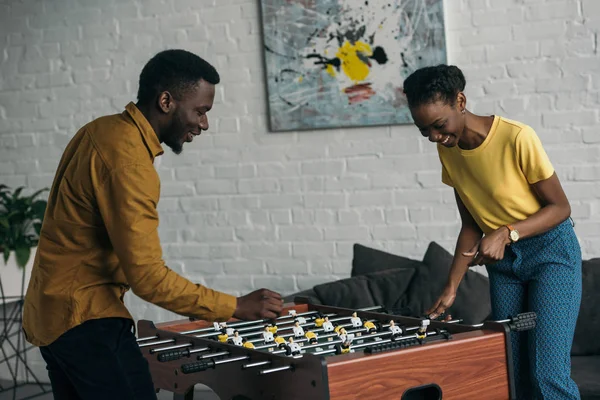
x=99 y=359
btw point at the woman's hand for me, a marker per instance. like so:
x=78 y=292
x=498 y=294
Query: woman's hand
x=489 y=249
x=444 y=302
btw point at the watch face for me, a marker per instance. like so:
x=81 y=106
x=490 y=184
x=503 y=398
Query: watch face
x=514 y=235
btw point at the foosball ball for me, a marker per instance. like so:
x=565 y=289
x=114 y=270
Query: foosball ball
x=318 y=352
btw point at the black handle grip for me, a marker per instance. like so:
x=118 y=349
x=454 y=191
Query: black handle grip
x=523 y=322
x=527 y=315
x=173 y=355
x=199 y=366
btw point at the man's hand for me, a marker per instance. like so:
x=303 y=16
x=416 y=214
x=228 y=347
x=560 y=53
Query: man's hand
x=490 y=249
x=260 y=304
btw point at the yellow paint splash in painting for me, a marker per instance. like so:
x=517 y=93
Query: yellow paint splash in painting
x=330 y=70
x=355 y=68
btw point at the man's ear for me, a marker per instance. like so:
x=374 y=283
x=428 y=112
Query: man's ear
x=166 y=102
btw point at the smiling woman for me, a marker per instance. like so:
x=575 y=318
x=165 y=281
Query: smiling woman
x=507 y=191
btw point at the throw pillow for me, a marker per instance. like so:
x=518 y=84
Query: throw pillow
x=587 y=331
x=367 y=260
x=383 y=288
x=472 y=303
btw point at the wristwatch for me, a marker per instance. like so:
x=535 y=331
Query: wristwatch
x=513 y=234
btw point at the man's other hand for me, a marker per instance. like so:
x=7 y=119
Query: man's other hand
x=260 y=304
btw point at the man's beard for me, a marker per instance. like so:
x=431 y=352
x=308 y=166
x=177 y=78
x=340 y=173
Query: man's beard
x=175 y=134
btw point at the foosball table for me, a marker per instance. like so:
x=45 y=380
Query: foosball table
x=327 y=353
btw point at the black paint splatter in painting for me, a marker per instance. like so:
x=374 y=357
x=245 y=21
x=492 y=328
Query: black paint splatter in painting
x=379 y=55
x=325 y=61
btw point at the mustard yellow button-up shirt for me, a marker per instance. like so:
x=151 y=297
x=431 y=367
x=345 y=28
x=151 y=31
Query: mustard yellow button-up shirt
x=99 y=237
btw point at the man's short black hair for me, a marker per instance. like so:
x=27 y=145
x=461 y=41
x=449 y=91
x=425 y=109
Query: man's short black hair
x=436 y=83
x=175 y=71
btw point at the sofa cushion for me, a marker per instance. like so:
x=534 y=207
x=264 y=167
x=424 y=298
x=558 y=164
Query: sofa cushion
x=587 y=330
x=308 y=294
x=472 y=303
x=383 y=288
x=585 y=372
x=367 y=260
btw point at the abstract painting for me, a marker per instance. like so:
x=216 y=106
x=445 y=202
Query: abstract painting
x=341 y=63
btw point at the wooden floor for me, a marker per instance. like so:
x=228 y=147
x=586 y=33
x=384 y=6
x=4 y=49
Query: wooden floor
x=36 y=392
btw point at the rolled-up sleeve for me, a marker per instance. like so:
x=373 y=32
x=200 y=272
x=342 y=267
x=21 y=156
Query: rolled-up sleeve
x=127 y=200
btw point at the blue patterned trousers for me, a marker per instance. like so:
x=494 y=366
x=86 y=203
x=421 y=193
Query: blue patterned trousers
x=541 y=274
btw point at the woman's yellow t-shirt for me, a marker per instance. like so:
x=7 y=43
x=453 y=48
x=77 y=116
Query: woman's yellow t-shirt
x=493 y=180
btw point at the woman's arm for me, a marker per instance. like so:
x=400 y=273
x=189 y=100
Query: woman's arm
x=555 y=209
x=469 y=235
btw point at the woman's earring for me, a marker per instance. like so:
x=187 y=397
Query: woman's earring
x=463 y=111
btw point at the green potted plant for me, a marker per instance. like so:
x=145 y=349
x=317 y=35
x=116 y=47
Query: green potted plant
x=20 y=223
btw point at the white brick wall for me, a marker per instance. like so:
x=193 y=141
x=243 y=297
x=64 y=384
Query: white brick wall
x=243 y=208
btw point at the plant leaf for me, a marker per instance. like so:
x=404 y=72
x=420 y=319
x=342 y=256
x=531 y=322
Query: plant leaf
x=18 y=192
x=22 y=254
x=39 y=208
x=38 y=227
x=4 y=222
x=6 y=255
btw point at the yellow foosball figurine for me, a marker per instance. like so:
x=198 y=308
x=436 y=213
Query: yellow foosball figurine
x=311 y=336
x=272 y=328
x=223 y=336
x=369 y=326
x=319 y=321
x=247 y=344
x=280 y=341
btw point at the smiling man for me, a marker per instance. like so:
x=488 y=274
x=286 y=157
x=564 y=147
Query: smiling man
x=100 y=239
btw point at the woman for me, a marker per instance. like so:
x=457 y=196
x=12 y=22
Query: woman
x=515 y=221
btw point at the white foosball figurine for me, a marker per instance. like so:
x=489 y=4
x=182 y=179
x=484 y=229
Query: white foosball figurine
x=219 y=325
x=294 y=347
x=268 y=335
x=301 y=320
x=395 y=329
x=422 y=332
x=230 y=331
x=327 y=325
x=292 y=313
x=356 y=322
x=345 y=336
x=298 y=331
x=237 y=339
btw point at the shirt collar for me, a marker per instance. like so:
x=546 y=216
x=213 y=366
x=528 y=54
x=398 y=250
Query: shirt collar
x=148 y=134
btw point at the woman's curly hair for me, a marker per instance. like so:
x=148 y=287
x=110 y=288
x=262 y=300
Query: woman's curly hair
x=436 y=83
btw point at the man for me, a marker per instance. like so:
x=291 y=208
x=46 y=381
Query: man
x=99 y=239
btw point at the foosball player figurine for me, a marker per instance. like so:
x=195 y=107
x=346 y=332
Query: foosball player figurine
x=237 y=339
x=280 y=341
x=247 y=344
x=272 y=328
x=319 y=321
x=223 y=336
x=356 y=322
x=292 y=313
x=395 y=329
x=293 y=348
x=422 y=332
x=311 y=336
x=298 y=331
x=344 y=347
x=369 y=326
x=219 y=326
x=301 y=320
x=267 y=335
x=327 y=325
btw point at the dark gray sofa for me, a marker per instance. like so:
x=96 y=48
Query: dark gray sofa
x=408 y=287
